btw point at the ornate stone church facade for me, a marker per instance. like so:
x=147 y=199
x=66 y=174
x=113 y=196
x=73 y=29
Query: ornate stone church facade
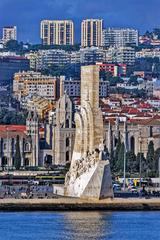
x=52 y=142
x=135 y=134
x=55 y=141
x=63 y=131
x=28 y=142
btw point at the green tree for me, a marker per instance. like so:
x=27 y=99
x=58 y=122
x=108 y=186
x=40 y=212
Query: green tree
x=148 y=34
x=13 y=45
x=120 y=161
x=17 y=157
x=133 y=80
x=140 y=93
x=112 y=160
x=156 y=160
x=118 y=146
x=3 y=112
x=68 y=48
x=115 y=80
x=131 y=162
x=150 y=157
x=141 y=163
x=106 y=76
x=12 y=117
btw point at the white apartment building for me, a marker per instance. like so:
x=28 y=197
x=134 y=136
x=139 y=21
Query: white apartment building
x=120 y=37
x=73 y=87
x=75 y=57
x=91 y=55
x=46 y=58
x=9 y=33
x=148 y=53
x=125 y=55
x=148 y=87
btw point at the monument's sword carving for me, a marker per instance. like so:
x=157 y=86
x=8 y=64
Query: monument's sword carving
x=89 y=175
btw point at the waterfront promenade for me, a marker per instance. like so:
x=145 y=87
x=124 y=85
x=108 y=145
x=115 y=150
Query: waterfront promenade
x=74 y=204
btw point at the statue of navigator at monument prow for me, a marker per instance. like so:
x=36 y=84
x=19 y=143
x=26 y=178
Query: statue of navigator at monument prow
x=89 y=175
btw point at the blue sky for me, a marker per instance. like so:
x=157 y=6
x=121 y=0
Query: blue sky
x=26 y=14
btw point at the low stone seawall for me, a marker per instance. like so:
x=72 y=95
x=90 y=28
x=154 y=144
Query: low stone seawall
x=70 y=204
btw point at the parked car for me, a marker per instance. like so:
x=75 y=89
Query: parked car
x=133 y=189
x=116 y=187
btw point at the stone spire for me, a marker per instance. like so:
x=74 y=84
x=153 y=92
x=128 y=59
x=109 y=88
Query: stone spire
x=125 y=132
x=35 y=116
x=29 y=117
x=117 y=127
x=28 y=123
x=62 y=79
x=35 y=138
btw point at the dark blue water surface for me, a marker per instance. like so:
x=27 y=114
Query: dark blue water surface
x=80 y=226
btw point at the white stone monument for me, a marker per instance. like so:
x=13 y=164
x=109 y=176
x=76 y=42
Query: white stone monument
x=89 y=175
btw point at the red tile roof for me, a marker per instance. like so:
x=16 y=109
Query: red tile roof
x=130 y=110
x=13 y=128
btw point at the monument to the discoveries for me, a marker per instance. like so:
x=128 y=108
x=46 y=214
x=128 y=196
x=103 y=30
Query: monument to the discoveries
x=89 y=175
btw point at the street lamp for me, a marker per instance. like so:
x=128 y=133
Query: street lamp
x=7 y=150
x=140 y=160
x=159 y=170
x=125 y=148
x=124 y=170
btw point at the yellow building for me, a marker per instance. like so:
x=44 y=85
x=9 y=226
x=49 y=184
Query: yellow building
x=32 y=56
x=91 y=32
x=31 y=83
x=42 y=106
x=57 y=32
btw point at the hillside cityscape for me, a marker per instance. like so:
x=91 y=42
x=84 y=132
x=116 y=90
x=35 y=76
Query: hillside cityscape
x=79 y=120
x=41 y=89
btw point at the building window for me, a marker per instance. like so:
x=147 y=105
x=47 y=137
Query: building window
x=67 y=123
x=115 y=142
x=67 y=142
x=27 y=147
x=67 y=156
x=151 y=131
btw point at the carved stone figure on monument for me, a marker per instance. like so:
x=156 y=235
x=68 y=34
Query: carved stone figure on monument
x=101 y=149
x=67 y=178
x=103 y=155
x=96 y=154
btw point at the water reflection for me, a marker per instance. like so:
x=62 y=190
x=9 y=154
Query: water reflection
x=87 y=225
x=80 y=226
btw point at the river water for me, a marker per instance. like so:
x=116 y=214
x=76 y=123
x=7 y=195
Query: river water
x=80 y=226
